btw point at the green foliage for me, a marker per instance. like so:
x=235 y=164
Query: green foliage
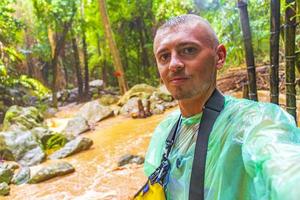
x=37 y=87
x=133 y=24
x=54 y=142
x=9 y=29
x=167 y=9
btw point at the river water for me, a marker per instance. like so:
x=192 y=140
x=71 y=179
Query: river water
x=97 y=175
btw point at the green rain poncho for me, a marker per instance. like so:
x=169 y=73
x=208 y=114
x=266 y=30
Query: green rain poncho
x=253 y=153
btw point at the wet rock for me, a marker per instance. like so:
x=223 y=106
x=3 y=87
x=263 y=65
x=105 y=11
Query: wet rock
x=50 y=112
x=108 y=99
x=116 y=109
x=170 y=104
x=143 y=91
x=73 y=97
x=96 y=83
x=21 y=146
x=41 y=133
x=22 y=176
x=75 y=126
x=129 y=159
x=22 y=117
x=5 y=175
x=50 y=171
x=72 y=147
x=158 y=109
x=9 y=165
x=162 y=96
x=4 y=189
x=130 y=106
x=93 y=112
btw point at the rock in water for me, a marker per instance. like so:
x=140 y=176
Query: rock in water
x=72 y=147
x=93 y=112
x=129 y=159
x=4 y=189
x=50 y=171
x=22 y=118
x=96 y=83
x=142 y=91
x=21 y=146
x=108 y=99
x=22 y=176
x=9 y=165
x=75 y=126
x=5 y=175
x=130 y=107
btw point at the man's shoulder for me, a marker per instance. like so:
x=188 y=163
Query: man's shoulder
x=249 y=108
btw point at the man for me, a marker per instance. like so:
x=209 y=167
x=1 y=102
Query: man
x=253 y=149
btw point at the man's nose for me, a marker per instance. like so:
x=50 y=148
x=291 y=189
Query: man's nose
x=175 y=63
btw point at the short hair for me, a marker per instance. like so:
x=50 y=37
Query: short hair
x=188 y=18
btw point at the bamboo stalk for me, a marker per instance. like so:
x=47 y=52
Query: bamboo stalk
x=244 y=17
x=274 y=51
x=290 y=30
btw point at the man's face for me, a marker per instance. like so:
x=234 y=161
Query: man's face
x=187 y=59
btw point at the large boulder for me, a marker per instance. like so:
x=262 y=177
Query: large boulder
x=5 y=175
x=41 y=134
x=43 y=173
x=22 y=176
x=108 y=99
x=9 y=165
x=129 y=159
x=161 y=96
x=142 y=91
x=75 y=126
x=96 y=83
x=93 y=112
x=131 y=106
x=4 y=189
x=72 y=147
x=22 y=117
x=21 y=146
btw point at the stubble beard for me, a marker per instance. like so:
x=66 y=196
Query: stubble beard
x=181 y=93
x=185 y=92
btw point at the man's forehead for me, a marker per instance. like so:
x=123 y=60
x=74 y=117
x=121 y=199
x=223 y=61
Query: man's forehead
x=184 y=32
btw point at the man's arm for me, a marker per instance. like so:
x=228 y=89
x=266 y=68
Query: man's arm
x=271 y=154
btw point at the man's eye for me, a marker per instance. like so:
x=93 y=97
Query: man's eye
x=189 y=50
x=164 y=57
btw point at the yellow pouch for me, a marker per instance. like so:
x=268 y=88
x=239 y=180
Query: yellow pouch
x=150 y=191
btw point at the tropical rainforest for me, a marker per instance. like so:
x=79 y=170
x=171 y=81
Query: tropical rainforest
x=68 y=65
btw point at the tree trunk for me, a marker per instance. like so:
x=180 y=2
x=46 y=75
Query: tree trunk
x=77 y=68
x=113 y=47
x=145 y=58
x=29 y=62
x=64 y=68
x=85 y=54
x=86 y=67
x=59 y=44
x=242 y=5
x=274 y=51
x=290 y=29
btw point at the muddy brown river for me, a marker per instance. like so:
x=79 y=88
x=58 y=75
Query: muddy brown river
x=97 y=175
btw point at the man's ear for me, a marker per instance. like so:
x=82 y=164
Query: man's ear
x=221 y=52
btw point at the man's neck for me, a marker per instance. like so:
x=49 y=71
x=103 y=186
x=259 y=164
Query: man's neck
x=193 y=106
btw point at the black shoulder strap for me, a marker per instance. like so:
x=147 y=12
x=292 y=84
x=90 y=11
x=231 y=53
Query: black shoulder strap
x=211 y=111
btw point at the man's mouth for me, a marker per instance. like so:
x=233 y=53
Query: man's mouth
x=178 y=79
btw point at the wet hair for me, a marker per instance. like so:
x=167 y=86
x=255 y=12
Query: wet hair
x=188 y=18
